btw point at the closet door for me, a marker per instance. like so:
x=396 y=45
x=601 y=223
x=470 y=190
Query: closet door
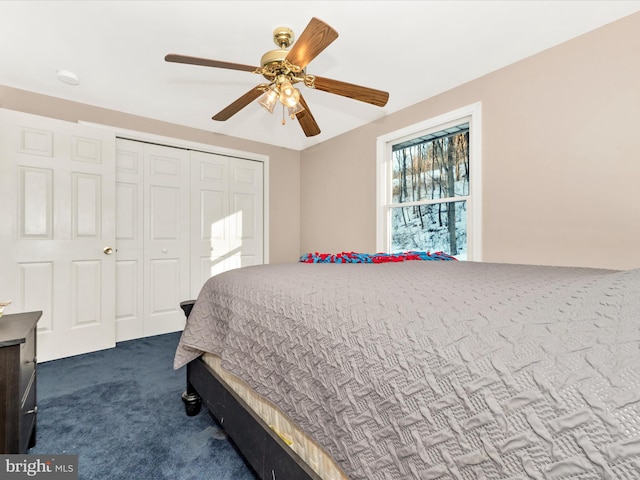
x=57 y=231
x=152 y=238
x=129 y=239
x=227 y=218
x=246 y=212
x=166 y=238
x=209 y=217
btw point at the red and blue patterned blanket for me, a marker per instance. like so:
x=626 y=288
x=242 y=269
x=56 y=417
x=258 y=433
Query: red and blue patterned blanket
x=354 y=257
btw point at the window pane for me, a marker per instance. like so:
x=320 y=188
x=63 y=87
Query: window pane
x=432 y=169
x=426 y=227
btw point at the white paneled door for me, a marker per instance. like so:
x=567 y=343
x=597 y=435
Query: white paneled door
x=129 y=239
x=57 y=230
x=227 y=219
x=166 y=240
x=152 y=238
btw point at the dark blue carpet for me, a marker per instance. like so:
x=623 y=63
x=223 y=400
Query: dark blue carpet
x=120 y=411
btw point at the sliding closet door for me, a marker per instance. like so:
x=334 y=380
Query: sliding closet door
x=227 y=221
x=152 y=238
x=57 y=230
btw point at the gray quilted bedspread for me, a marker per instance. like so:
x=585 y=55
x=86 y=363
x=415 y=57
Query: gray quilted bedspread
x=439 y=370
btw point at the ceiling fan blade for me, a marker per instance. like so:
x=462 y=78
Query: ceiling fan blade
x=306 y=120
x=313 y=40
x=363 y=94
x=205 y=62
x=239 y=104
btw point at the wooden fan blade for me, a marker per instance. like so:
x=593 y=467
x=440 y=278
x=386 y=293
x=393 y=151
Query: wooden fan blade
x=313 y=40
x=205 y=62
x=238 y=105
x=306 y=120
x=363 y=94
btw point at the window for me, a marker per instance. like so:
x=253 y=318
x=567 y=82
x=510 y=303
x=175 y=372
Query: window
x=428 y=186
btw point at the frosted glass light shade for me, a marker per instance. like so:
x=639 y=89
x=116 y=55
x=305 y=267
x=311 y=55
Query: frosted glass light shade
x=295 y=110
x=269 y=99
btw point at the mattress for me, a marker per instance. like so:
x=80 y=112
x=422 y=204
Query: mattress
x=310 y=452
x=438 y=370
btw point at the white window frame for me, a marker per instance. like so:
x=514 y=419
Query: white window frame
x=384 y=159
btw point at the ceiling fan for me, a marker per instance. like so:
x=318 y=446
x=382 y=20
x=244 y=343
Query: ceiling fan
x=283 y=69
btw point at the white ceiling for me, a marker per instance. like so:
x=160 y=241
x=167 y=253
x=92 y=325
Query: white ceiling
x=412 y=49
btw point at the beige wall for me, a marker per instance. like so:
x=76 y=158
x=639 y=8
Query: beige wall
x=560 y=157
x=284 y=164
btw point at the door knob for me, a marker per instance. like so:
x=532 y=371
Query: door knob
x=107 y=250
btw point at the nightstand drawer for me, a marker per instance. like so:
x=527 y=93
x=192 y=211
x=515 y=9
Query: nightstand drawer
x=28 y=414
x=27 y=361
x=18 y=381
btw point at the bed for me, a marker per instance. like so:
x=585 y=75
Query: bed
x=418 y=369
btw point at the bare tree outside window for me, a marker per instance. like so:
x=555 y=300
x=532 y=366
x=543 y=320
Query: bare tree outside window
x=430 y=180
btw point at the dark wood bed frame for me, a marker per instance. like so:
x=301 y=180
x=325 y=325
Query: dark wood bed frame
x=268 y=455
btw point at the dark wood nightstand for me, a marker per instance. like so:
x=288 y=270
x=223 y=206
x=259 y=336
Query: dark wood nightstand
x=18 y=382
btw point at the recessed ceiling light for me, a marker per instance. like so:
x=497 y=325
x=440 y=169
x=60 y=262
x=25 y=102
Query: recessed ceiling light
x=70 y=78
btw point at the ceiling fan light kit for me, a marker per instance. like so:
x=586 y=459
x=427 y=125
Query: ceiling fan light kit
x=283 y=69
